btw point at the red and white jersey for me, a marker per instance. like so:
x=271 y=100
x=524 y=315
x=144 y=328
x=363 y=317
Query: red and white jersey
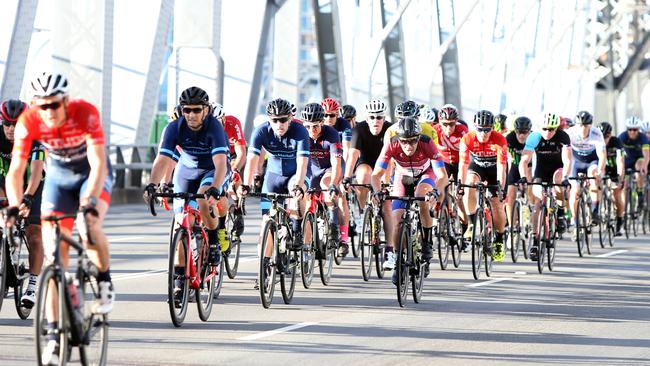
x=484 y=154
x=415 y=165
x=449 y=146
x=234 y=131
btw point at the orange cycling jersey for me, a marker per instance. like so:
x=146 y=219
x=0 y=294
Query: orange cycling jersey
x=484 y=154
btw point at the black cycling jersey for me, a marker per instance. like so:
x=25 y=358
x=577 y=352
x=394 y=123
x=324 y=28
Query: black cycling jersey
x=368 y=144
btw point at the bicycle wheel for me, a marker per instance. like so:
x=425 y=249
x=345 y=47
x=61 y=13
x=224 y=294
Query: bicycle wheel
x=205 y=293
x=515 y=232
x=288 y=277
x=602 y=223
x=442 y=236
x=627 y=216
x=21 y=273
x=587 y=225
x=178 y=302
x=355 y=216
x=455 y=232
x=366 y=246
x=94 y=350
x=232 y=259
x=49 y=283
x=327 y=248
x=268 y=269
x=580 y=221
x=308 y=256
x=418 y=268
x=478 y=233
x=611 y=221
x=218 y=281
x=379 y=248
x=544 y=237
x=550 y=248
x=488 y=241
x=401 y=265
x=4 y=259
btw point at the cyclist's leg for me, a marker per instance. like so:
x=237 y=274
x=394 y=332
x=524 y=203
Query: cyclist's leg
x=35 y=243
x=215 y=227
x=273 y=183
x=561 y=200
x=577 y=167
x=511 y=190
x=640 y=167
x=618 y=201
x=594 y=186
x=426 y=184
x=363 y=174
x=297 y=215
x=469 y=199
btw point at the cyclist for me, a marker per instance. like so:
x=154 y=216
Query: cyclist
x=30 y=207
x=325 y=160
x=202 y=167
x=418 y=170
x=645 y=126
x=367 y=142
x=516 y=141
x=615 y=168
x=552 y=149
x=449 y=133
x=500 y=124
x=589 y=157
x=287 y=146
x=430 y=116
x=409 y=109
x=483 y=158
x=78 y=179
x=637 y=153
x=350 y=114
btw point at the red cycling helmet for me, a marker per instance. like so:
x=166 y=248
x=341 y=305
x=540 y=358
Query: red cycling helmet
x=330 y=105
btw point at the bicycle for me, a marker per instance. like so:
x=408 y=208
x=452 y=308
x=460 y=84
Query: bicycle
x=234 y=229
x=410 y=265
x=607 y=213
x=520 y=224
x=373 y=240
x=75 y=324
x=483 y=233
x=188 y=253
x=547 y=234
x=356 y=221
x=631 y=203
x=320 y=245
x=277 y=233
x=448 y=230
x=14 y=265
x=582 y=217
x=645 y=216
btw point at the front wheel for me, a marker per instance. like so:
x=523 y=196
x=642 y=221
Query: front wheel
x=178 y=281
x=478 y=233
x=442 y=237
x=544 y=238
x=366 y=245
x=307 y=257
x=515 y=232
x=327 y=249
x=3 y=270
x=288 y=276
x=402 y=267
x=44 y=331
x=205 y=293
x=267 y=269
x=580 y=221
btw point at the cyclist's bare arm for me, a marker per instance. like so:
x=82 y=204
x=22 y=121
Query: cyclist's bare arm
x=351 y=161
x=301 y=172
x=524 y=169
x=250 y=169
x=240 y=160
x=336 y=169
x=567 y=160
x=36 y=168
x=98 y=170
x=161 y=169
x=13 y=181
x=219 y=161
x=602 y=160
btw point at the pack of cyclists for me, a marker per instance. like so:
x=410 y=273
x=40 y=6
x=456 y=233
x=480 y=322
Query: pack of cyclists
x=323 y=146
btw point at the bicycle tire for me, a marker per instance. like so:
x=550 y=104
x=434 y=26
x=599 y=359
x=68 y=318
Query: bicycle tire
x=327 y=248
x=355 y=212
x=94 y=351
x=442 y=236
x=232 y=264
x=204 y=295
x=307 y=257
x=21 y=271
x=611 y=221
x=178 y=249
x=4 y=260
x=418 y=268
x=288 y=277
x=627 y=213
x=488 y=241
x=401 y=266
x=604 y=219
x=455 y=231
x=579 y=222
x=41 y=337
x=544 y=236
x=379 y=249
x=366 y=245
x=550 y=249
x=476 y=244
x=218 y=284
x=515 y=231
x=267 y=269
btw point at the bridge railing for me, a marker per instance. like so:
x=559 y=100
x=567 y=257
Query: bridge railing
x=131 y=164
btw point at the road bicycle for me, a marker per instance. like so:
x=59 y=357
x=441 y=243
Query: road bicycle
x=319 y=243
x=582 y=217
x=14 y=265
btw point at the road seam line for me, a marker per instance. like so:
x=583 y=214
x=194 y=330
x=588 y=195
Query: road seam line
x=609 y=254
x=490 y=282
x=269 y=333
x=125 y=238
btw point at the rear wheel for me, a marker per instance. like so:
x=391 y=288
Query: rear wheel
x=327 y=248
x=308 y=256
x=442 y=236
x=515 y=232
x=3 y=270
x=267 y=270
x=178 y=286
x=401 y=266
x=366 y=245
x=288 y=277
x=49 y=285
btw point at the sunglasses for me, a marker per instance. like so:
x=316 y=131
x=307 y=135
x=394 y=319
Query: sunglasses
x=523 y=132
x=281 y=119
x=8 y=123
x=196 y=110
x=330 y=115
x=633 y=130
x=484 y=130
x=376 y=117
x=449 y=124
x=412 y=141
x=311 y=127
x=53 y=105
x=548 y=129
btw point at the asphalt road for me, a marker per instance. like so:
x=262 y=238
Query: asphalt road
x=592 y=310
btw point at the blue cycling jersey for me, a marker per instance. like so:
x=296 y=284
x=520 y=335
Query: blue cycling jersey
x=344 y=129
x=197 y=147
x=633 y=148
x=323 y=148
x=283 y=151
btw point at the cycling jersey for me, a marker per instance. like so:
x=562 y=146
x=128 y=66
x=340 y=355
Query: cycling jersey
x=414 y=165
x=614 y=148
x=323 y=148
x=584 y=149
x=483 y=154
x=6 y=146
x=369 y=145
x=234 y=132
x=515 y=149
x=449 y=146
x=633 y=148
x=344 y=129
x=427 y=130
x=548 y=151
x=197 y=147
x=283 y=151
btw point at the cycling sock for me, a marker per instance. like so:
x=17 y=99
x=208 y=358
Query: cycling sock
x=498 y=237
x=212 y=236
x=333 y=213
x=619 y=221
x=428 y=231
x=52 y=336
x=594 y=207
x=33 y=280
x=104 y=276
x=296 y=225
x=472 y=217
x=343 y=229
x=560 y=211
x=221 y=224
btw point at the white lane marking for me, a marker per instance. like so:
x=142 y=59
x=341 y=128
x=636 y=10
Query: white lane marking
x=247 y=259
x=490 y=282
x=127 y=238
x=611 y=253
x=520 y=273
x=139 y=274
x=276 y=331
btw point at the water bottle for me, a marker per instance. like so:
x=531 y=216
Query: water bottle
x=72 y=291
x=193 y=246
x=282 y=236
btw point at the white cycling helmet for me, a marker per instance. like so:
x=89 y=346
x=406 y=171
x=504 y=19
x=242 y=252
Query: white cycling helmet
x=49 y=84
x=217 y=110
x=633 y=122
x=645 y=126
x=375 y=106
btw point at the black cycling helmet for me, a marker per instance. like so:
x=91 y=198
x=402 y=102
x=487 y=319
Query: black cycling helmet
x=408 y=127
x=605 y=128
x=407 y=109
x=523 y=124
x=279 y=107
x=484 y=118
x=11 y=109
x=348 y=112
x=584 y=118
x=194 y=96
x=500 y=120
x=312 y=112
